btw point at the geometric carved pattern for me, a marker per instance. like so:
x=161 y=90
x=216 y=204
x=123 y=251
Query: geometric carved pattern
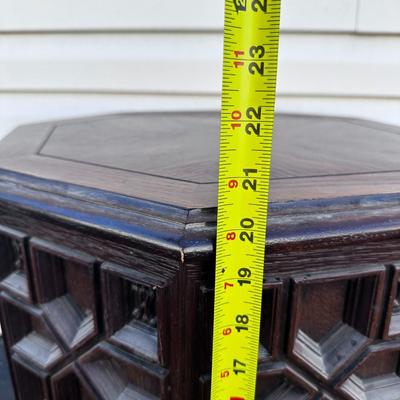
x=65 y=285
x=14 y=271
x=114 y=375
x=392 y=325
x=28 y=335
x=130 y=311
x=280 y=382
x=104 y=373
x=58 y=347
x=54 y=343
x=143 y=304
x=376 y=376
x=69 y=384
x=328 y=329
x=334 y=321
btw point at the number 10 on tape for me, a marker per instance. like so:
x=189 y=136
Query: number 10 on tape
x=251 y=43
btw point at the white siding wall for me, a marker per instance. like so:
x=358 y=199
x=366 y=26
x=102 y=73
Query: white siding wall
x=62 y=58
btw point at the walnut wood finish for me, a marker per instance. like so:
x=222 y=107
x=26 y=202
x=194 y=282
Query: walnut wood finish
x=107 y=247
x=153 y=156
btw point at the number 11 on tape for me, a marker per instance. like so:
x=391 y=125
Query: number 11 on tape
x=251 y=43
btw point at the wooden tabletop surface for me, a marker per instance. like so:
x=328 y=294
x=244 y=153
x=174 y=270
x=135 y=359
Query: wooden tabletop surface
x=173 y=157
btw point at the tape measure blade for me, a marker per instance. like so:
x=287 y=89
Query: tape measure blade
x=251 y=42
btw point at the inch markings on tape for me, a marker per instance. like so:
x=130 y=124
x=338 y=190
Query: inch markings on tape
x=251 y=44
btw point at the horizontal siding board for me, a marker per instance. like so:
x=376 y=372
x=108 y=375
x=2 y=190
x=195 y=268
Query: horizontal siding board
x=374 y=109
x=47 y=15
x=23 y=108
x=77 y=15
x=120 y=63
x=349 y=65
x=319 y=15
x=381 y=16
x=17 y=109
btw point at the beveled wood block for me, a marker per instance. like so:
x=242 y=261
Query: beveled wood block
x=15 y=273
x=107 y=256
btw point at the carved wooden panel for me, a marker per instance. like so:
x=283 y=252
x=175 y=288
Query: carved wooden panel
x=69 y=384
x=115 y=375
x=131 y=304
x=376 y=376
x=31 y=383
x=65 y=285
x=100 y=330
x=281 y=382
x=56 y=345
x=14 y=273
x=392 y=323
x=28 y=335
x=334 y=317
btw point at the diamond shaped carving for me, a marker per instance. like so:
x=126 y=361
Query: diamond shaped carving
x=58 y=346
x=14 y=270
x=281 y=382
x=65 y=286
x=376 y=376
x=114 y=374
x=28 y=335
x=130 y=307
x=62 y=325
x=328 y=329
x=69 y=384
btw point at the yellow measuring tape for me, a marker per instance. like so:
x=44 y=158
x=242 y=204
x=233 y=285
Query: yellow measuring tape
x=251 y=42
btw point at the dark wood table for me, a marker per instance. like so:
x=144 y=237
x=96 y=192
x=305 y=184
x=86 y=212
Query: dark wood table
x=107 y=247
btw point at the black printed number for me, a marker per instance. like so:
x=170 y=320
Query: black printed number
x=259 y=5
x=254 y=113
x=257 y=51
x=253 y=129
x=247 y=223
x=255 y=68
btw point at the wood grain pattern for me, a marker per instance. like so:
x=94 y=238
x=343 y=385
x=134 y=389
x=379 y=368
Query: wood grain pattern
x=89 y=153
x=122 y=268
